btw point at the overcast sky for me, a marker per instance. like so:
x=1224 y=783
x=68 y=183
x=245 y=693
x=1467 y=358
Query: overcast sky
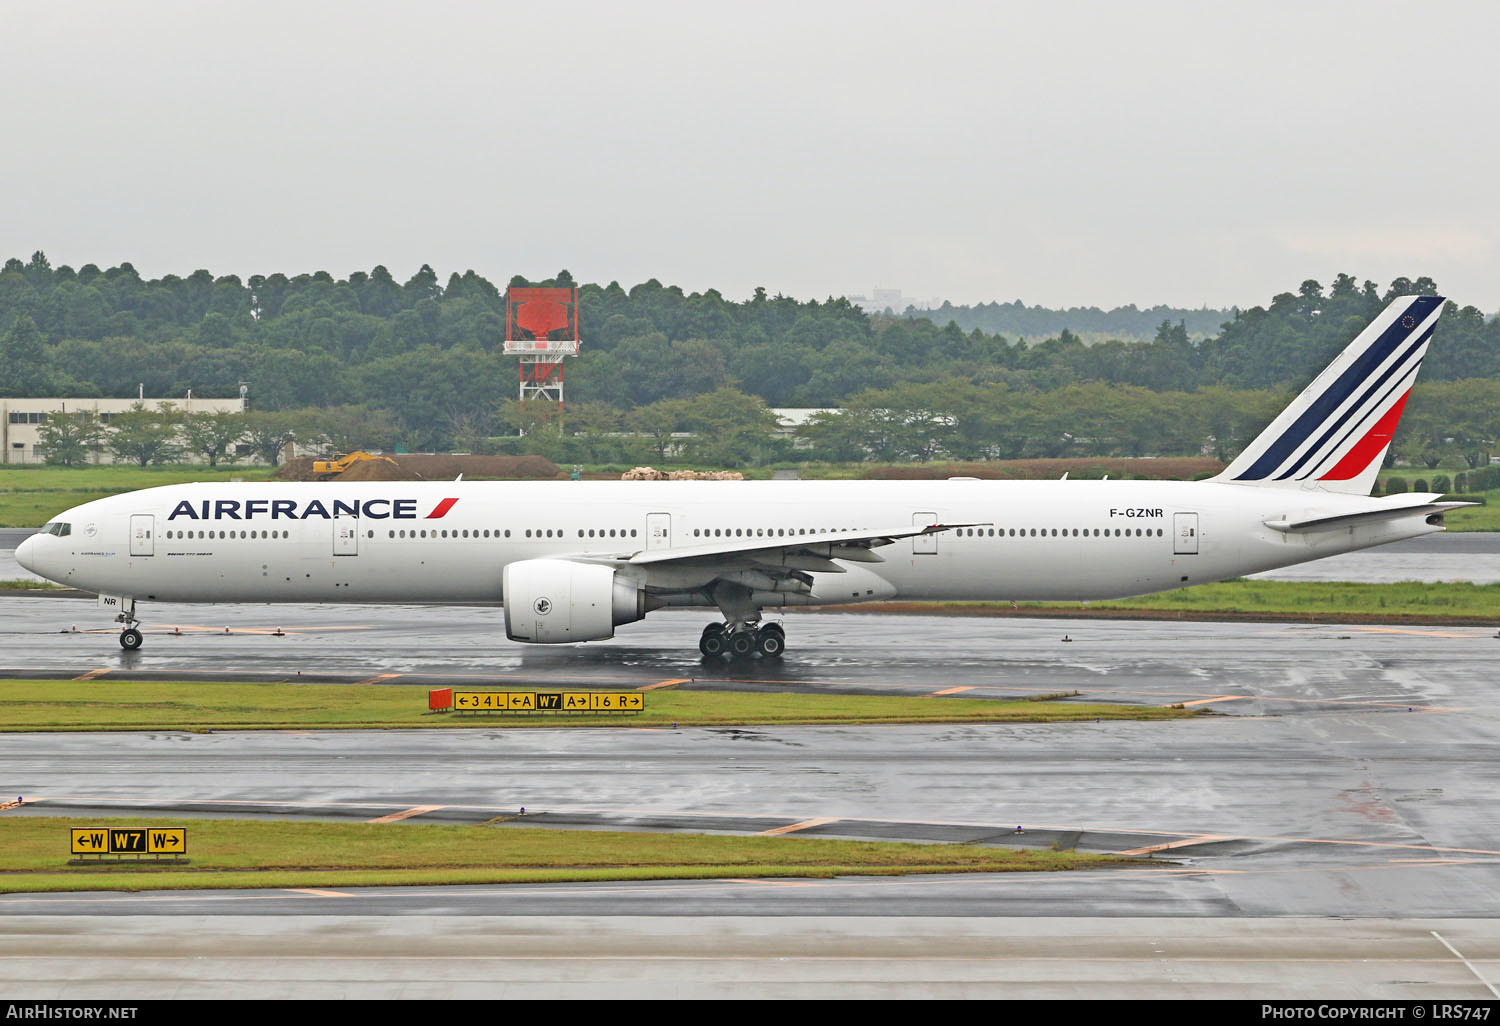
x=1060 y=153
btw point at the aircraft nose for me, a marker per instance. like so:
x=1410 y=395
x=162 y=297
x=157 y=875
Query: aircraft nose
x=25 y=553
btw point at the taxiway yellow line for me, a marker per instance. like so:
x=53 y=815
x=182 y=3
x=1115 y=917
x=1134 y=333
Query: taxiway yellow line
x=793 y=827
x=771 y=882
x=1186 y=842
x=953 y=691
x=93 y=673
x=376 y=679
x=1408 y=630
x=187 y=628
x=396 y=817
x=666 y=683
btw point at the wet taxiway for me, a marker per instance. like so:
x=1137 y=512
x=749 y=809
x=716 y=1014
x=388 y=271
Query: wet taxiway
x=1330 y=832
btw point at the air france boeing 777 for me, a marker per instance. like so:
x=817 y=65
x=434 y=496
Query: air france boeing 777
x=572 y=561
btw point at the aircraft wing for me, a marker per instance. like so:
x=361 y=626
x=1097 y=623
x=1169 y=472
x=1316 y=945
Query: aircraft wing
x=856 y=546
x=775 y=554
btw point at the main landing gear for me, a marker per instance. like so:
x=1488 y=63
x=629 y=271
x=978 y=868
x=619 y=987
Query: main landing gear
x=737 y=640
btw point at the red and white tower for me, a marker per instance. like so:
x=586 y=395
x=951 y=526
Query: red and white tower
x=532 y=317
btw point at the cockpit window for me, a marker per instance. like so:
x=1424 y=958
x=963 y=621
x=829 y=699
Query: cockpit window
x=58 y=528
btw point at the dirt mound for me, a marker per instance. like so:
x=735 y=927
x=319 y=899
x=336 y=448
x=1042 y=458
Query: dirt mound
x=299 y=469
x=652 y=474
x=431 y=467
x=1183 y=468
x=374 y=470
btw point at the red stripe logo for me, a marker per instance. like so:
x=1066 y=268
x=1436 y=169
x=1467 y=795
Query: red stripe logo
x=1369 y=447
x=441 y=509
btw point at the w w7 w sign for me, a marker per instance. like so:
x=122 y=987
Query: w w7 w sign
x=129 y=841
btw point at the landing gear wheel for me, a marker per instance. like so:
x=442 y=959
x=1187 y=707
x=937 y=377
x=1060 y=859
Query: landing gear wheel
x=130 y=639
x=712 y=643
x=770 y=641
x=741 y=643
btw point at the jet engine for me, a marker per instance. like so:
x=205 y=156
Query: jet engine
x=552 y=601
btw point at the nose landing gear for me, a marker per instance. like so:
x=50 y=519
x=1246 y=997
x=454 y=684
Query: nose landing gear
x=130 y=637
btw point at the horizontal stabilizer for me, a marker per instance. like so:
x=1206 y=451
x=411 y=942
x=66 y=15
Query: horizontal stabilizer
x=1406 y=506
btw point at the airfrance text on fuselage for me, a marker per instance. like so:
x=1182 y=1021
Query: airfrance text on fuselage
x=290 y=509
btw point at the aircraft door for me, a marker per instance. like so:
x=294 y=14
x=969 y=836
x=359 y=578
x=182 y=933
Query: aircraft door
x=142 y=528
x=345 y=536
x=1185 y=534
x=658 y=531
x=924 y=544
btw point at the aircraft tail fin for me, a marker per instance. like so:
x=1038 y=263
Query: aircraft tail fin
x=1335 y=434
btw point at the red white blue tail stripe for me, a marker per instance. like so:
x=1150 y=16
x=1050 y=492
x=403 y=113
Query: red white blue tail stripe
x=1335 y=434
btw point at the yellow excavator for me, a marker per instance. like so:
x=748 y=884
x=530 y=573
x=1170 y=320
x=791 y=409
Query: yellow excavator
x=343 y=461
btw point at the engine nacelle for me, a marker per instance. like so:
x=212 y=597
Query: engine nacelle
x=552 y=601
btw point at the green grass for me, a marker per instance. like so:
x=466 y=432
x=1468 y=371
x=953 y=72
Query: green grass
x=33 y=509
x=102 y=704
x=1477 y=518
x=35 y=851
x=1407 y=599
x=32 y=495
x=1448 y=602
x=118 y=477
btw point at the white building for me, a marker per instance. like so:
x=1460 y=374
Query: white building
x=790 y=419
x=881 y=300
x=21 y=418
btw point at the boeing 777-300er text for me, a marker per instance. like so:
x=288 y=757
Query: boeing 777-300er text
x=572 y=561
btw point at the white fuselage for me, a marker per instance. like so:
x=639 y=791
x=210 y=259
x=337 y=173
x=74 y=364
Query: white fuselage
x=404 y=542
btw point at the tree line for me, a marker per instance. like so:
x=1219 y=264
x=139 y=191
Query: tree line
x=420 y=360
